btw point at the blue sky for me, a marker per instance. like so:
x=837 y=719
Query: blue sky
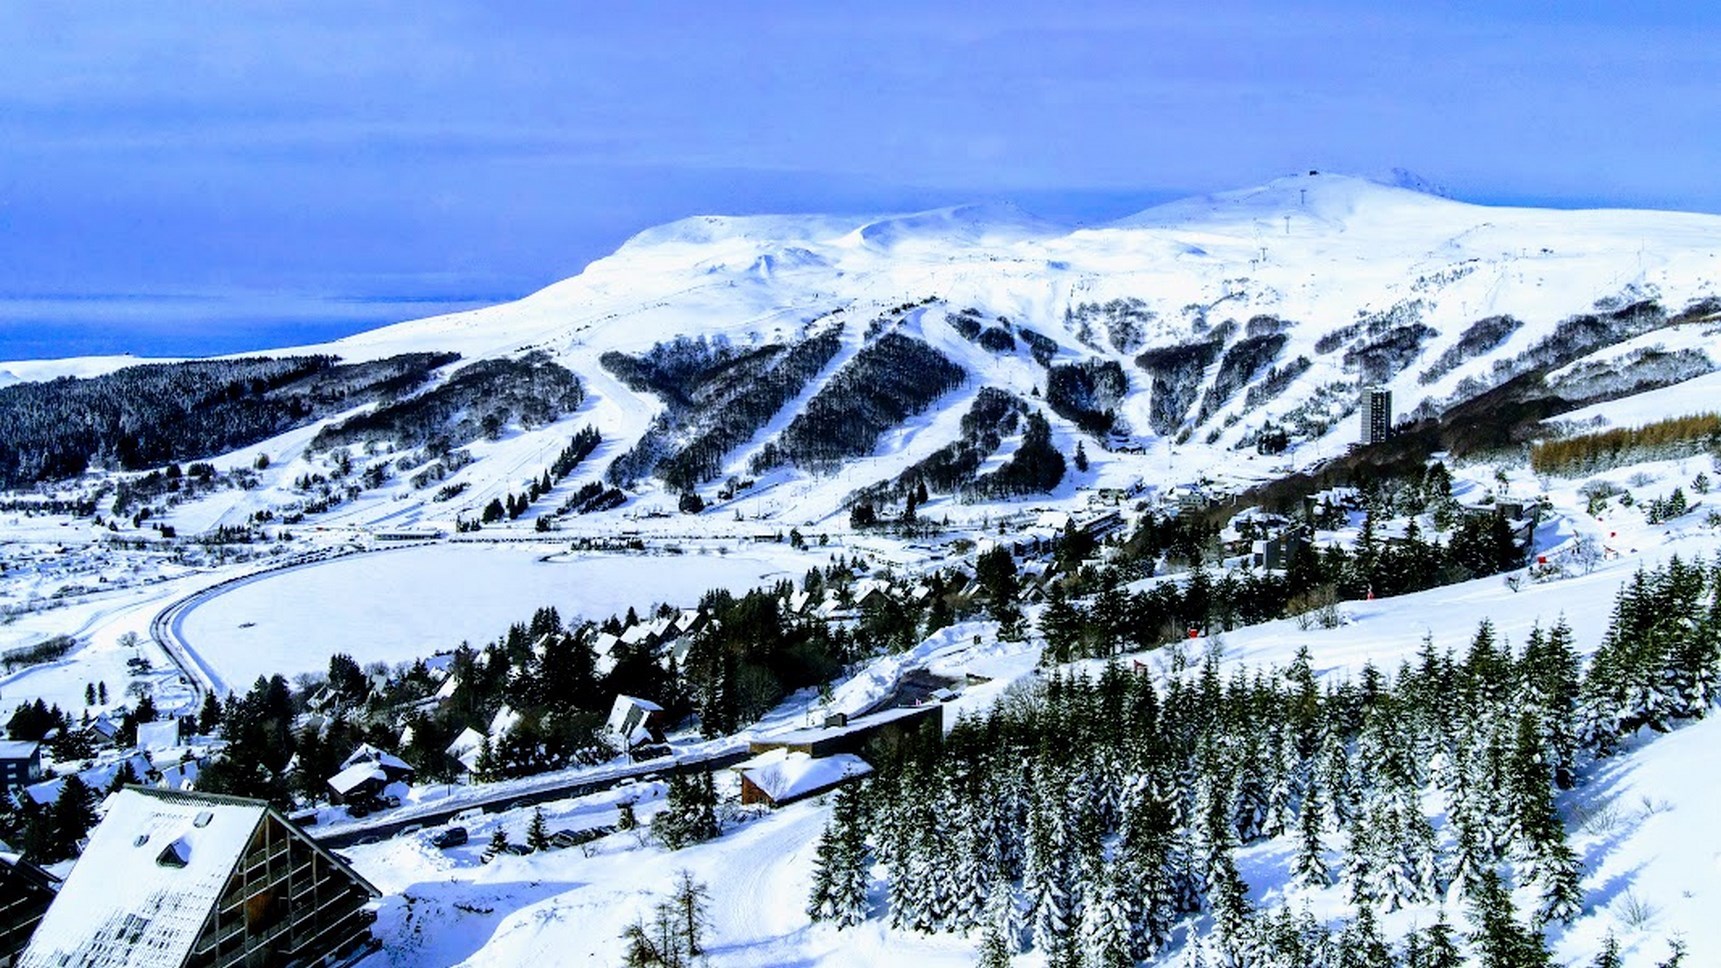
x=188 y=177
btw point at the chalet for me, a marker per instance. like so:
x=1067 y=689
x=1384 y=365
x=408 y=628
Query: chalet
x=366 y=773
x=25 y=893
x=101 y=731
x=179 y=879
x=779 y=777
x=634 y=722
x=858 y=734
x=20 y=763
x=465 y=749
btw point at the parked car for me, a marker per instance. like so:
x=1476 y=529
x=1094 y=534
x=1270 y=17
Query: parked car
x=448 y=837
x=410 y=829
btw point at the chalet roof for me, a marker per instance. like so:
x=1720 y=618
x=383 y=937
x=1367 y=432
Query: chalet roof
x=18 y=749
x=149 y=879
x=628 y=715
x=96 y=778
x=355 y=776
x=368 y=754
x=784 y=776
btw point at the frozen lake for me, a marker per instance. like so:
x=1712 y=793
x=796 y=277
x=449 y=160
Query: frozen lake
x=395 y=606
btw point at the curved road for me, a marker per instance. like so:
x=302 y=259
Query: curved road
x=167 y=628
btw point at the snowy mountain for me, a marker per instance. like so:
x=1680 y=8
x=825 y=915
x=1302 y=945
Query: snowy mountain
x=1211 y=324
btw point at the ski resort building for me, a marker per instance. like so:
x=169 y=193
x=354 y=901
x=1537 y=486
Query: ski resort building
x=25 y=893
x=1376 y=415
x=180 y=879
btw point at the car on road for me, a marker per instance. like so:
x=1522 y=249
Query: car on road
x=448 y=837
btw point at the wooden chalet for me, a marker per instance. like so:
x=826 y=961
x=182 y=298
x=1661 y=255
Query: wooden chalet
x=174 y=879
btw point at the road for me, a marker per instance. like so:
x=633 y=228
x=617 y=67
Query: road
x=496 y=797
x=167 y=626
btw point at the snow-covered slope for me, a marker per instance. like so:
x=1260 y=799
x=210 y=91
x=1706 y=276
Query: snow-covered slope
x=1365 y=282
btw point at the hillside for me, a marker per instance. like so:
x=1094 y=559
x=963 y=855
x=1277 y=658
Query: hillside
x=1226 y=335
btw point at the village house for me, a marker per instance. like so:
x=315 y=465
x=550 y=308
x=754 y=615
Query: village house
x=20 y=763
x=177 y=879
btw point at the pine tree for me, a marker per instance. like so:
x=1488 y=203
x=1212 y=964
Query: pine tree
x=1499 y=940
x=840 y=862
x=537 y=832
x=1438 y=950
x=70 y=818
x=1608 y=957
x=498 y=845
x=1360 y=944
x=1105 y=927
x=690 y=906
x=1310 y=866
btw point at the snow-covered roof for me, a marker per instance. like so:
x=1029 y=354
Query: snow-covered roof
x=18 y=749
x=468 y=740
x=147 y=881
x=97 y=778
x=366 y=753
x=785 y=776
x=503 y=723
x=360 y=773
x=163 y=734
x=628 y=718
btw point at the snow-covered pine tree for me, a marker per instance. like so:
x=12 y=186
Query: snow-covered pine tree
x=538 y=832
x=841 y=861
x=1436 y=948
x=1046 y=878
x=1333 y=776
x=1229 y=898
x=1360 y=944
x=1608 y=956
x=1105 y=924
x=1498 y=939
x=1309 y=868
x=1540 y=843
x=1549 y=685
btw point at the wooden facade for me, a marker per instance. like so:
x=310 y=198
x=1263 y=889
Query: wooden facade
x=25 y=893
x=287 y=902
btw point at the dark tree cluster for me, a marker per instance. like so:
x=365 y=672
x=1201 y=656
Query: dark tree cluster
x=884 y=384
x=753 y=654
x=1479 y=338
x=1242 y=361
x=1035 y=468
x=994 y=415
x=1382 y=357
x=1087 y=393
x=717 y=397
x=1177 y=372
x=477 y=402
x=159 y=413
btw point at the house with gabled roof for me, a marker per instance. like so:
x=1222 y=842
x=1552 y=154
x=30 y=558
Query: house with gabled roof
x=173 y=879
